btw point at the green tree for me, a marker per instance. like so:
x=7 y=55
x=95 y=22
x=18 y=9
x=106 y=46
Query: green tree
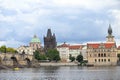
x=36 y=55
x=11 y=50
x=42 y=56
x=53 y=55
x=3 y=49
x=39 y=56
x=79 y=58
x=71 y=58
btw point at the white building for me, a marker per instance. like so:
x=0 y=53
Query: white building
x=84 y=52
x=65 y=50
x=75 y=50
x=26 y=49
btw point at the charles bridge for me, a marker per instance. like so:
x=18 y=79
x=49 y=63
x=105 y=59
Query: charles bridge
x=11 y=59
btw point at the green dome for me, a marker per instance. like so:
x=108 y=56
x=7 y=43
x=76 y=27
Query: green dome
x=35 y=39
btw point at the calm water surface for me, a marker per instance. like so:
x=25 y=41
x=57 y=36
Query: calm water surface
x=62 y=73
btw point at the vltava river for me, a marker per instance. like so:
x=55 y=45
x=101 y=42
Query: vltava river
x=62 y=73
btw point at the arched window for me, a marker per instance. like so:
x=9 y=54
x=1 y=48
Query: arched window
x=99 y=55
x=104 y=60
x=108 y=60
x=99 y=60
x=104 y=55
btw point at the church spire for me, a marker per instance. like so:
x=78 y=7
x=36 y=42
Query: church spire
x=49 y=34
x=109 y=30
x=110 y=37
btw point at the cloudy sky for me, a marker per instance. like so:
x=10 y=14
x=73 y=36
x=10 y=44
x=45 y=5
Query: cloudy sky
x=73 y=21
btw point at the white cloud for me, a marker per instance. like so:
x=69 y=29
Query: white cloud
x=7 y=18
x=11 y=43
x=115 y=15
x=35 y=15
x=87 y=4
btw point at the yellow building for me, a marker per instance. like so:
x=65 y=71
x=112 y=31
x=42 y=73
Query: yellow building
x=103 y=53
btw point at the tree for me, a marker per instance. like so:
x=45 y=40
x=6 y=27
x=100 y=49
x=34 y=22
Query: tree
x=42 y=57
x=36 y=55
x=39 y=56
x=3 y=49
x=71 y=58
x=11 y=50
x=79 y=58
x=53 y=55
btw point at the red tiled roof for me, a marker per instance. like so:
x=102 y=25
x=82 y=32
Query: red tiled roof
x=75 y=47
x=64 y=45
x=109 y=45
x=96 y=45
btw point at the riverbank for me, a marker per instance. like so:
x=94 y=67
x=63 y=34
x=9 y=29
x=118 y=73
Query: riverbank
x=37 y=65
x=58 y=64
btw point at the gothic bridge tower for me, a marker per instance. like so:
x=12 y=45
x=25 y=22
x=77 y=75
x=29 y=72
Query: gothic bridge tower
x=50 y=41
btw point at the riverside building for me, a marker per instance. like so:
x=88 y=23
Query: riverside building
x=65 y=50
x=103 y=53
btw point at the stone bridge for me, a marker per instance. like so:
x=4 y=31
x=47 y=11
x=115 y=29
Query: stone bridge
x=9 y=58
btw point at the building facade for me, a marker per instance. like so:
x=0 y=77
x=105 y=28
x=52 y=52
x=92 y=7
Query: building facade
x=49 y=41
x=75 y=50
x=25 y=49
x=103 y=53
x=65 y=50
x=84 y=52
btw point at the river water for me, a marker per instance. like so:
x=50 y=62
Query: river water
x=62 y=73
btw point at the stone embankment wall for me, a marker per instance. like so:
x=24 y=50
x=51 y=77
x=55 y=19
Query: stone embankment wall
x=58 y=64
x=10 y=63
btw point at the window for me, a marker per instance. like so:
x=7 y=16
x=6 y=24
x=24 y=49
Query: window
x=104 y=55
x=108 y=60
x=99 y=55
x=99 y=60
x=95 y=60
x=104 y=60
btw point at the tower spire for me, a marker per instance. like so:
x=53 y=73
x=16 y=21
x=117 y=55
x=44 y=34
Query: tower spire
x=109 y=30
x=110 y=37
x=49 y=34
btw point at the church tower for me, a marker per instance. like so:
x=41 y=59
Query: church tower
x=35 y=43
x=50 y=41
x=110 y=37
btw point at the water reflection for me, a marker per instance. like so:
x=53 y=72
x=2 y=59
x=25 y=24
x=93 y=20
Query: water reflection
x=62 y=73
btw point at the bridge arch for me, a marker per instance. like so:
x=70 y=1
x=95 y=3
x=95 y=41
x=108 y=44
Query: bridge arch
x=15 y=61
x=28 y=62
